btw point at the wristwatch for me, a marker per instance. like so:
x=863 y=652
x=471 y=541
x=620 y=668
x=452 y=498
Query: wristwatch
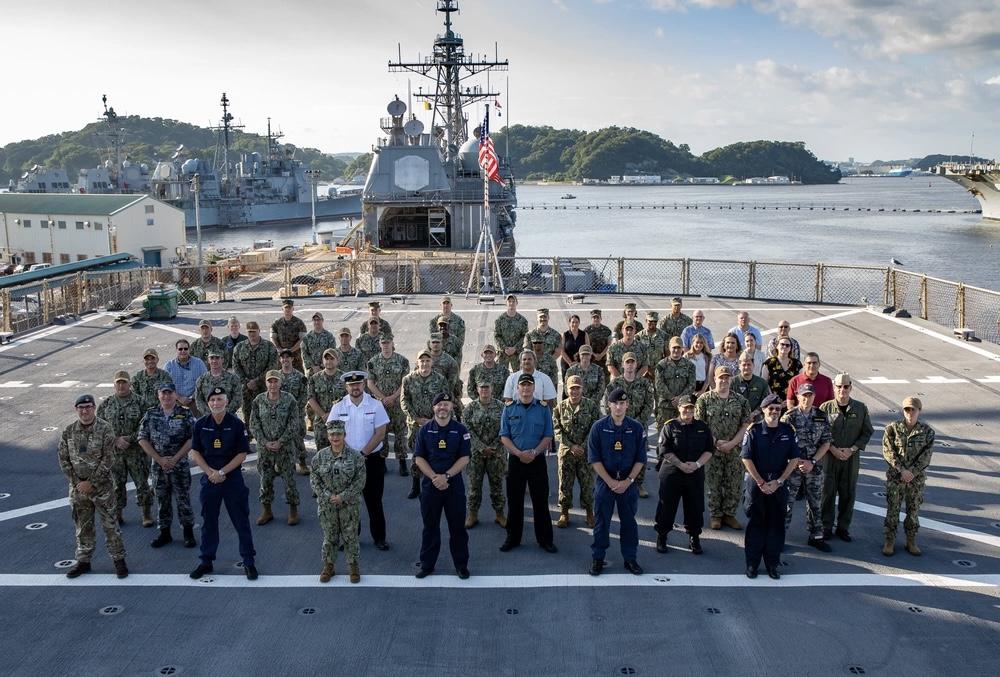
x=447 y=475
x=222 y=473
x=780 y=482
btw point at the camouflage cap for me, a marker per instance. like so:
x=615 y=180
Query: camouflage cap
x=335 y=427
x=723 y=370
x=151 y=352
x=385 y=338
x=483 y=382
x=652 y=315
x=317 y=316
x=373 y=321
x=436 y=337
x=253 y=326
x=204 y=323
x=685 y=401
x=445 y=299
x=215 y=352
x=596 y=312
x=331 y=352
x=511 y=296
x=676 y=301
x=273 y=374
x=585 y=350
x=488 y=348
x=424 y=353
x=574 y=382
x=374 y=304
x=122 y=376
x=629 y=357
x=344 y=330
x=629 y=306
x=628 y=327
x=86 y=398
x=537 y=340
x=542 y=312
x=913 y=402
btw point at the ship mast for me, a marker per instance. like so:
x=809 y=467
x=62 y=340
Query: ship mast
x=448 y=68
x=226 y=126
x=114 y=139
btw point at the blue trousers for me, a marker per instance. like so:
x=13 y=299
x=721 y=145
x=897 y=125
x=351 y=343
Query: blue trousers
x=235 y=494
x=605 y=502
x=451 y=501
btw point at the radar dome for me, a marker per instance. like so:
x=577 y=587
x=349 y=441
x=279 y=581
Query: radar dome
x=469 y=154
x=190 y=166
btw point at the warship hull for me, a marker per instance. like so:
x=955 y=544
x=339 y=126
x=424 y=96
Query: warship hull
x=284 y=213
x=982 y=181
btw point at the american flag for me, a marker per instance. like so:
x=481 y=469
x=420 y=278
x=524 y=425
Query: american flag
x=488 y=160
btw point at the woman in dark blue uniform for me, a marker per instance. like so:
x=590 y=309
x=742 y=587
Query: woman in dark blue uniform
x=219 y=447
x=770 y=454
x=442 y=450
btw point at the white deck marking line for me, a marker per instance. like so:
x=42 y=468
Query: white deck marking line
x=447 y=580
x=166 y=327
x=936 y=525
x=815 y=320
x=45 y=333
x=64 y=502
x=941 y=380
x=881 y=380
x=965 y=345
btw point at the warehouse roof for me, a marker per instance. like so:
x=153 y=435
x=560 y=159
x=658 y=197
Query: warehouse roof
x=67 y=203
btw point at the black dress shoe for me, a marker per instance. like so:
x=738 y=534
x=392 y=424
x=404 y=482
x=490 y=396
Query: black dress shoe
x=696 y=545
x=549 y=547
x=463 y=572
x=827 y=534
x=201 y=570
x=844 y=535
x=424 y=573
x=508 y=546
x=661 y=544
x=751 y=572
x=381 y=545
x=773 y=573
x=820 y=544
x=596 y=567
x=633 y=567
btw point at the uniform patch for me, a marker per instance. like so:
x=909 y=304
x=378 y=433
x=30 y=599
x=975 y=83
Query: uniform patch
x=442 y=444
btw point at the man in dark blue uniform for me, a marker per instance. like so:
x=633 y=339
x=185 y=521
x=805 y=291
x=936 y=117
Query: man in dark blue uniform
x=616 y=448
x=770 y=454
x=442 y=450
x=219 y=446
x=526 y=433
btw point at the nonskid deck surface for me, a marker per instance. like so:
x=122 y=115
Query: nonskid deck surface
x=852 y=608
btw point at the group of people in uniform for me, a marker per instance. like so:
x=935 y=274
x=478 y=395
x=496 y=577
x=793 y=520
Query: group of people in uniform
x=747 y=424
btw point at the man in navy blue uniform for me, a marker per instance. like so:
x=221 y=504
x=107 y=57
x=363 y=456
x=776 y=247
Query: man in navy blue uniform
x=219 y=446
x=770 y=454
x=616 y=448
x=442 y=450
x=526 y=433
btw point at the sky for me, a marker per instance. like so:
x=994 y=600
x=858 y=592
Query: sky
x=869 y=79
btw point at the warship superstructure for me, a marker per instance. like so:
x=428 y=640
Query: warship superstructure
x=424 y=188
x=981 y=180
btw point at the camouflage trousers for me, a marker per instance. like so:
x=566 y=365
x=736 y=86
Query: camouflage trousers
x=84 y=506
x=319 y=430
x=494 y=467
x=135 y=464
x=512 y=362
x=397 y=426
x=247 y=406
x=573 y=469
x=664 y=412
x=174 y=485
x=896 y=493
x=340 y=525
x=271 y=464
x=814 y=499
x=724 y=481
x=412 y=430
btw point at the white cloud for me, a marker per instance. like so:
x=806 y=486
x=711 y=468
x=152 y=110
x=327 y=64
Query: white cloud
x=995 y=80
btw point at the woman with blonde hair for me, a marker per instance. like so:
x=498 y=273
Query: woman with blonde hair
x=701 y=356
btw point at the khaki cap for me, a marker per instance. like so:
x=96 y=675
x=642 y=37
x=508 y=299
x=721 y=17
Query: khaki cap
x=489 y=348
x=273 y=374
x=122 y=376
x=913 y=402
x=424 y=353
x=204 y=323
x=629 y=357
x=585 y=350
x=574 y=382
x=151 y=351
x=344 y=330
x=842 y=379
x=317 y=316
x=331 y=352
x=723 y=370
x=675 y=341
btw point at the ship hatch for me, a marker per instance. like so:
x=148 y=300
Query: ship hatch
x=414 y=228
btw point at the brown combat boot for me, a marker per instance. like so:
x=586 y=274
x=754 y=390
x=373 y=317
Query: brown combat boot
x=911 y=545
x=472 y=519
x=715 y=523
x=293 y=515
x=301 y=468
x=266 y=515
x=890 y=545
x=147 y=516
x=501 y=519
x=590 y=517
x=326 y=574
x=642 y=491
x=355 y=575
x=731 y=522
x=563 y=520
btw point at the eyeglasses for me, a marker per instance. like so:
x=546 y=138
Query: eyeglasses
x=776 y=409
x=182 y=349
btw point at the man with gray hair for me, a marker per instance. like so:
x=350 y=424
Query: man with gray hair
x=545 y=389
x=743 y=327
x=851 y=429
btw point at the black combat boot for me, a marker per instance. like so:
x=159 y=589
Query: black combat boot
x=403 y=470
x=162 y=539
x=189 y=541
x=415 y=487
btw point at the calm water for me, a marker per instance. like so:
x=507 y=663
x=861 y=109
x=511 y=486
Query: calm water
x=959 y=247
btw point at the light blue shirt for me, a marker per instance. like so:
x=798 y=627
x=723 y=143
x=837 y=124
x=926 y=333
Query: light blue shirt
x=185 y=376
x=750 y=330
x=690 y=331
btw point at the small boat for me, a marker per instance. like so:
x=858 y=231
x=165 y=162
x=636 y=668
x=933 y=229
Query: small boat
x=568 y=196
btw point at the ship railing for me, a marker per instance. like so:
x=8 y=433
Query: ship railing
x=944 y=302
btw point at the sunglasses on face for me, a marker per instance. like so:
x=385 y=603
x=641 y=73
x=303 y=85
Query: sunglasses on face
x=774 y=410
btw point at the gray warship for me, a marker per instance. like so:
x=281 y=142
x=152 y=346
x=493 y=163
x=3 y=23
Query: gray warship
x=424 y=188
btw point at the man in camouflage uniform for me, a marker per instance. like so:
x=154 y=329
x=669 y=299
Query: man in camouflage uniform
x=314 y=344
x=294 y=383
x=509 y=331
x=654 y=343
x=600 y=338
x=592 y=375
x=86 y=456
x=251 y=360
x=337 y=476
x=217 y=377
x=349 y=357
x=907 y=446
x=629 y=317
x=482 y=418
x=385 y=380
x=233 y=338
x=288 y=331
x=419 y=388
x=551 y=338
x=324 y=389
x=449 y=342
x=375 y=313
x=447 y=366
x=676 y=322
x=455 y=323
x=812 y=433
x=146 y=381
x=627 y=345
x=641 y=400
x=673 y=378
x=124 y=411
x=728 y=417
x=367 y=343
x=274 y=422
x=165 y=435
x=572 y=420
x=544 y=362
x=752 y=387
x=201 y=346
x=489 y=370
